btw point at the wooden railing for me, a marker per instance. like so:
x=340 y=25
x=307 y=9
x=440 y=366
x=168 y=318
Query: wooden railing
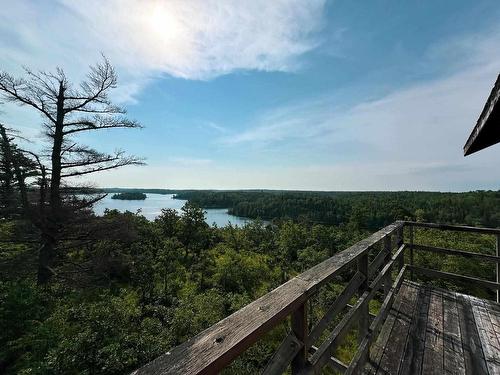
x=213 y=349
x=433 y=273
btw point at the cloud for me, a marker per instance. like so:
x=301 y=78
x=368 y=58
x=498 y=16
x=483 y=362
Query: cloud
x=189 y=162
x=191 y=39
x=214 y=126
x=413 y=135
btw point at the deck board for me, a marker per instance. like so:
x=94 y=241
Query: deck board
x=391 y=357
x=434 y=331
x=433 y=352
x=453 y=356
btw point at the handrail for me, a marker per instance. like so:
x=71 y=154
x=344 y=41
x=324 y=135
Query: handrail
x=216 y=347
x=447 y=275
x=213 y=349
x=458 y=228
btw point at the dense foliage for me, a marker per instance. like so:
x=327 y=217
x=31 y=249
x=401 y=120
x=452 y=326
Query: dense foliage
x=124 y=298
x=148 y=291
x=366 y=210
x=129 y=196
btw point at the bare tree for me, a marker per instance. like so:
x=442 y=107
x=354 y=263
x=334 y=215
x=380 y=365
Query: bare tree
x=67 y=112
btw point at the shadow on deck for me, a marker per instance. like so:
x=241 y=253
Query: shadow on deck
x=435 y=331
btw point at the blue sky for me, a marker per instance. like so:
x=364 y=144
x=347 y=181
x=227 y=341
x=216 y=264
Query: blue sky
x=319 y=95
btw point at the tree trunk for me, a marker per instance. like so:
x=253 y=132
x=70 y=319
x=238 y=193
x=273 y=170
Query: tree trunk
x=51 y=226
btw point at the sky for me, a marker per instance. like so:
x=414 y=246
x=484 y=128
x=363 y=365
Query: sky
x=282 y=94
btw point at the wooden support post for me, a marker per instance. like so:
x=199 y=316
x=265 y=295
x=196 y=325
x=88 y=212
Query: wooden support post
x=411 y=251
x=388 y=277
x=364 y=315
x=498 y=265
x=399 y=243
x=300 y=330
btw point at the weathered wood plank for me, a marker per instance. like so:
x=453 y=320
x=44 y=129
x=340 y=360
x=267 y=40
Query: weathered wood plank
x=377 y=262
x=323 y=272
x=414 y=348
x=457 y=228
x=471 y=344
x=284 y=355
x=214 y=348
x=453 y=359
x=465 y=254
x=376 y=325
x=362 y=356
x=493 y=310
x=300 y=330
x=320 y=357
x=363 y=359
x=394 y=350
x=497 y=267
x=494 y=314
x=412 y=240
x=453 y=276
x=399 y=243
x=378 y=348
x=335 y=308
x=333 y=362
x=388 y=276
x=364 y=314
x=487 y=335
x=433 y=352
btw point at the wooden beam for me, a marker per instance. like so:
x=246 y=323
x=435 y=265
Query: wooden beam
x=376 y=325
x=335 y=308
x=466 y=254
x=453 y=276
x=388 y=277
x=377 y=262
x=497 y=248
x=412 y=240
x=289 y=347
x=299 y=328
x=213 y=349
x=325 y=271
x=399 y=243
x=362 y=354
x=333 y=362
x=364 y=315
x=319 y=359
x=457 y=228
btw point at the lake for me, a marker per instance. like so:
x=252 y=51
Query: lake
x=152 y=205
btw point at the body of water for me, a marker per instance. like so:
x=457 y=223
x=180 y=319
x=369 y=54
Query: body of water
x=152 y=205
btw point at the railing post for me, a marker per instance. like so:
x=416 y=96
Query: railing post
x=498 y=265
x=364 y=315
x=399 y=242
x=388 y=277
x=411 y=252
x=300 y=329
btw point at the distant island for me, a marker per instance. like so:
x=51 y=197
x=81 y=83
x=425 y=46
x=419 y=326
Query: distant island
x=129 y=196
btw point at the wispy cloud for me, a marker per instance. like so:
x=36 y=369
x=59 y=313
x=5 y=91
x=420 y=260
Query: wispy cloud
x=415 y=133
x=192 y=39
x=437 y=113
x=189 y=162
x=212 y=125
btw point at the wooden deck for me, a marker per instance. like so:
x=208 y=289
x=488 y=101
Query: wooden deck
x=434 y=331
